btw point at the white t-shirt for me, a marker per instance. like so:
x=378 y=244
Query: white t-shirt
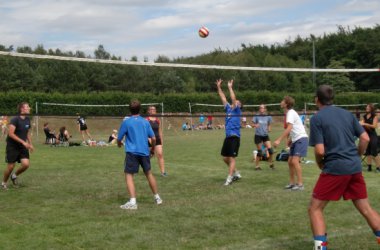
x=298 y=131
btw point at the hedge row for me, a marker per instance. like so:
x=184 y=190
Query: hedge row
x=173 y=103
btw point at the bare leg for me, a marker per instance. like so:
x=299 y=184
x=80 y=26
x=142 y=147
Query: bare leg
x=160 y=158
x=291 y=171
x=130 y=185
x=297 y=169
x=24 y=166
x=152 y=182
x=317 y=220
x=372 y=217
x=8 y=171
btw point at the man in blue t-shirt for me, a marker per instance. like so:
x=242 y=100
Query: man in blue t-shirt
x=262 y=123
x=19 y=143
x=137 y=131
x=231 y=143
x=332 y=134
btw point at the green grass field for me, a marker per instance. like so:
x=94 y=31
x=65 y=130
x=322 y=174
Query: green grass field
x=70 y=198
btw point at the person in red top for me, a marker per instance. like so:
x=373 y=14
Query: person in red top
x=155 y=123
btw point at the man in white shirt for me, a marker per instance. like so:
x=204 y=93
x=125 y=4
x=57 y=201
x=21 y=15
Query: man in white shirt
x=298 y=143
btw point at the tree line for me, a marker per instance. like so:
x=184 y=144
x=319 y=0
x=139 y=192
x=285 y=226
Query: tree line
x=345 y=48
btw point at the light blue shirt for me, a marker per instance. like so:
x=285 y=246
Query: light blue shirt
x=136 y=130
x=264 y=121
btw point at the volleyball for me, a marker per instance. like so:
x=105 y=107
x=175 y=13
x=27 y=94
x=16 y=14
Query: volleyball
x=203 y=32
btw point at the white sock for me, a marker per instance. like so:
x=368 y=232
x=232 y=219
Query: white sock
x=14 y=176
x=156 y=196
x=132 y=200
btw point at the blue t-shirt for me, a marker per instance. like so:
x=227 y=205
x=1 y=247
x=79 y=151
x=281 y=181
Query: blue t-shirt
x=137 y=130
x=264 y=121
x=232 y=121
x=337 y=128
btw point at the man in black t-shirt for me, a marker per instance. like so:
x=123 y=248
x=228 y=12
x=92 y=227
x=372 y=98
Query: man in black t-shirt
x=19 y=143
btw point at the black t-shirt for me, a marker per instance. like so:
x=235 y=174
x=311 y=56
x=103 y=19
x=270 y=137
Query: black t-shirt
x=81 y=121
x=21 y=130
x=369 y=120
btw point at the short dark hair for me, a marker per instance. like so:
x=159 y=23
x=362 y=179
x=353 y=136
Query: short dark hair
x=134 y=107
x=325 y=94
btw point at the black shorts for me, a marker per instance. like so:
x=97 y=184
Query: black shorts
x=372 y=146
x=158 y=142
x=83 y=127
x=132 y=163
x=261 y=138
x=231 y=146
x=14 y=153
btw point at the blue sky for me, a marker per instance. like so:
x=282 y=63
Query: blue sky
x=148 y=28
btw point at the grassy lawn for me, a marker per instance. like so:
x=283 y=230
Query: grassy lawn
x=70 y=198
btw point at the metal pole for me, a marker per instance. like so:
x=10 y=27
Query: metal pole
x=191 y=118
x=37 y=119
x=314 y=73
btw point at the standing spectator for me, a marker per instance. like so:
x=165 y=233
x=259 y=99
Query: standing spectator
x=332 y=134
x=231 y=143
x=19 y=143
x=4 y=125
x=157 y=129
x=369 y=122
x=262 y=123
x=209 y=121
x=137 y=132
x=82 y=127
x=201 y=120
x=298 y=143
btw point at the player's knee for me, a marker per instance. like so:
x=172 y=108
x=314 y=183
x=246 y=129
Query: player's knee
x=259 y=153
x=270 y=151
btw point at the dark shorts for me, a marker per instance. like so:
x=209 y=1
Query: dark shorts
x=299 y=147
x=372 y=146
x=84 y=127
x=231 y=146
x=132 y=163
x=333 y=187
x=261 y=138
x=158 y=142
x=15 y=153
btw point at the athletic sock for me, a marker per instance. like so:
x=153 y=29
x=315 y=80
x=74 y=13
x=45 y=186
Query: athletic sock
x=132 y=200
x=156 y=196
x=320 y=242
x=377 y=233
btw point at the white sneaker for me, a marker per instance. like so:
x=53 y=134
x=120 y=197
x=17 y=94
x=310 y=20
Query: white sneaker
x=129 y=205
x=289 y=186
x=297 y=188
x=229 y=181
x=158 y=200
x=4 y=186
x=237 y=176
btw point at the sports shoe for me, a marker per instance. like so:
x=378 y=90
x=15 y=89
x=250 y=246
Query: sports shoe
x=298 y=188
x=236 y=176
x=258 y=168
x=4 y=186
x=158 y=200
x=129 y=206
x=228 y=181
x=289 y=186
x=271 y=166
x=14 y=179
x=164 y=174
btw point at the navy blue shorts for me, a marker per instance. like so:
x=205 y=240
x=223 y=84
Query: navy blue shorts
x=132 y=163
x=299 y=147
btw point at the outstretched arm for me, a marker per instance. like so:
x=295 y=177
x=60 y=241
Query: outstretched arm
x=220 y=91
x=232 y=93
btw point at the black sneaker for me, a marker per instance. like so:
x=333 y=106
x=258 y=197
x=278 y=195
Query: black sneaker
x=369 y=169
x=14 y=180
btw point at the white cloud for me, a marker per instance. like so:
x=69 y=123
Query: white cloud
x=169 y=27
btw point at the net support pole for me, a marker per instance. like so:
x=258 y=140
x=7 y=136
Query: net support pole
x=162 y=119
x=191 y=118
x=37 y=119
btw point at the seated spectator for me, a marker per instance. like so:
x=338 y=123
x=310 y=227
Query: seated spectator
x=113 y=137
x=186 y=126
x=63 y=136
x=50 y=135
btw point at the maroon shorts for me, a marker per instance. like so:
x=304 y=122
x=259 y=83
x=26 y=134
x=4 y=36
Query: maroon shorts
x=333 y=187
